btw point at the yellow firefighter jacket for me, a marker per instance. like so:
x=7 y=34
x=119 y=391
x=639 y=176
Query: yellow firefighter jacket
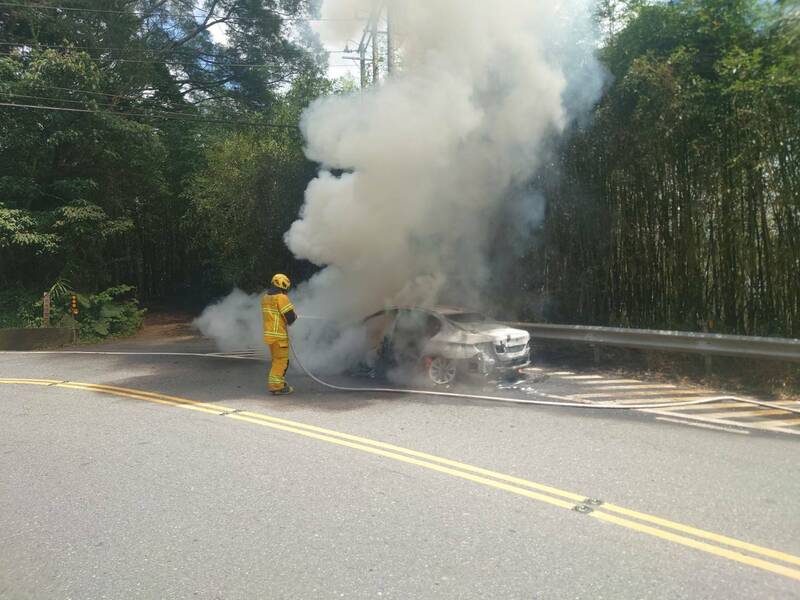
x=275 y=307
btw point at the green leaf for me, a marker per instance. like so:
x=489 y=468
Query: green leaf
x=100 y=327
x=111 y=311
x=84 y=301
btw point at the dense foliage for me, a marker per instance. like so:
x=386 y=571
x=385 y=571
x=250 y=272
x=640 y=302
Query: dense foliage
x=676 y=205
x=679 y=206
x=116 y=186
x=111 y=312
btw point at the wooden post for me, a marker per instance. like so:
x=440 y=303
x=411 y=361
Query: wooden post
x=46 y=309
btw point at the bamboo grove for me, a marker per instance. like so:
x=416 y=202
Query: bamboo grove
x=679 y=205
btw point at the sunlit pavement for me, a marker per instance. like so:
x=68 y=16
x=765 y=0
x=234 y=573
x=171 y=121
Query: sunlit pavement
x=183 y=478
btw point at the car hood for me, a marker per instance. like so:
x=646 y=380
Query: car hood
x=477 y=333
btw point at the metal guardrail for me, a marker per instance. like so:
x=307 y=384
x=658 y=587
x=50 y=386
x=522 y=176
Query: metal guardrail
x=669 y=341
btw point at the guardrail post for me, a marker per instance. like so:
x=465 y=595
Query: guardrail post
x=596 y=351
x=707 y=359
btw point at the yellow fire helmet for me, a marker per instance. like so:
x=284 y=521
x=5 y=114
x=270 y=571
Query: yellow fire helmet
x=281 y=281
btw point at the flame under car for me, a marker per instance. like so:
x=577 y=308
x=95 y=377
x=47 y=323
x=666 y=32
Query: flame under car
x=443 y=344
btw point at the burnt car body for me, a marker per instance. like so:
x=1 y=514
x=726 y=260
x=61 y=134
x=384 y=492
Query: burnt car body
x=443 y=343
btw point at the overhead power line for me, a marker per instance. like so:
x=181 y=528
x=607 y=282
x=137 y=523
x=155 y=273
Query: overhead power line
x=79 y=91
x=138 y=13
x=192 y=116
x=177 y=61
x=128 y=49
x=32 y=97
x=182 y=61
x=133 y=97
x=104 y=105
x=149 y=116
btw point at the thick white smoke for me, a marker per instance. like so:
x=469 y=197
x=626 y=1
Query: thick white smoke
x=416 y=170
x=234 y=323
x=431 y=154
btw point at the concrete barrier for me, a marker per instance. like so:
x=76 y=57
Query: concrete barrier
x=34 y=339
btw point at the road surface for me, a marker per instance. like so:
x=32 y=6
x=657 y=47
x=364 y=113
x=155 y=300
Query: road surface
x=162 y=475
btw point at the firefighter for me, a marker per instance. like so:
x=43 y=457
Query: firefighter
x=278 y=314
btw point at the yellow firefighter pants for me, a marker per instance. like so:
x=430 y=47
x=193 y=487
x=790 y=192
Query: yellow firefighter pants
x=280 y=363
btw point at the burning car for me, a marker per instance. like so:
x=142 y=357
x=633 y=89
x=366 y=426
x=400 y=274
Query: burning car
x=444 y=343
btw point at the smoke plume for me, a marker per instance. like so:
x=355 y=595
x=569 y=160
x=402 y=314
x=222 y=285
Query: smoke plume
x=417 y=171
x=432 y=155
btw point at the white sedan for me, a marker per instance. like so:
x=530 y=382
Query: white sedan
x=444 y=342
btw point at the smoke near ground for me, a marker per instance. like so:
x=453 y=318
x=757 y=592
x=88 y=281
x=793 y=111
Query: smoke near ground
x=416 y=171
x=234 y=322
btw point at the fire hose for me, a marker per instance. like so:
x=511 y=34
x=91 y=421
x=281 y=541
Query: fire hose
x=545 y=399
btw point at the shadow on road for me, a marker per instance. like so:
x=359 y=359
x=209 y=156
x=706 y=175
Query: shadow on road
x=211 y=380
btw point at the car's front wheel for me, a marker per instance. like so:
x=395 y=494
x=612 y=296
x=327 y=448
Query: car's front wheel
x=440 y=370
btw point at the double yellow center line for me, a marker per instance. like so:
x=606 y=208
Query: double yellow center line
x=760 y=557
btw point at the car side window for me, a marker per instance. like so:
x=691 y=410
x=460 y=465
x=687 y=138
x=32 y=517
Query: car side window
x=433 y=325
x=379 y=326
x=408 y=321
x=415 y=325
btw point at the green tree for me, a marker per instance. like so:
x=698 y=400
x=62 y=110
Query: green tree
x=251 y=192
x=115 y=108
x=690 y=165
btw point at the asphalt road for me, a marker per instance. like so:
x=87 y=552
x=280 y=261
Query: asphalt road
x=206 y=487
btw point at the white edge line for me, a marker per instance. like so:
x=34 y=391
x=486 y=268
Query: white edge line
x=609 y=381
x=744 y=424
x=782 y=430
x=704 y=425
x=638 y=387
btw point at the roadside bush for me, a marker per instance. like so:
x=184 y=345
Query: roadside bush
x=111 y=313
x=18 y=308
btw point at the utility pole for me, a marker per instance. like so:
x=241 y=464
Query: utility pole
x=389 y=39
x=362 y=56
x=362 y=61
x=371 y=36
x=375 y=55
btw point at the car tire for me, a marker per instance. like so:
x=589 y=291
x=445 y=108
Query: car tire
x=440 y=371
